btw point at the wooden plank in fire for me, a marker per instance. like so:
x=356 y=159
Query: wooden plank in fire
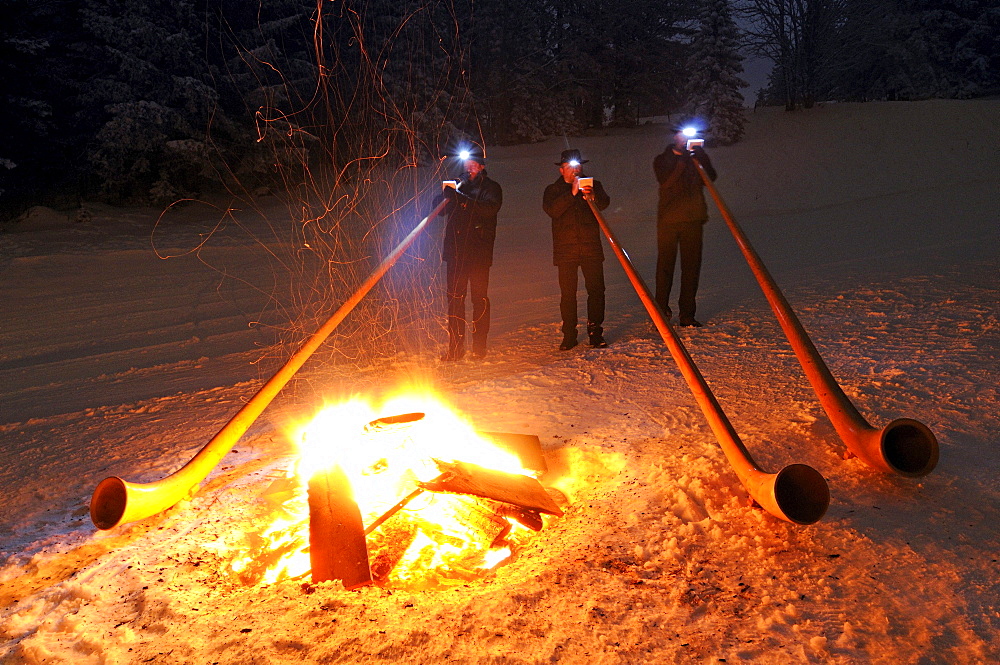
x=516 y=489
x=337 y=546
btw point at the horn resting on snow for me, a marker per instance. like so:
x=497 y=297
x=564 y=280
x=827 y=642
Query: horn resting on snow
x=797 y=493
x=904 y=446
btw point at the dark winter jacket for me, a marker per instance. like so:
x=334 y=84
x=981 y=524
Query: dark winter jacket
x=682 y=200
x=576 y=235
x=472 y=221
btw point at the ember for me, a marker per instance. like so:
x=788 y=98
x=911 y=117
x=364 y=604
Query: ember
x=416 y=499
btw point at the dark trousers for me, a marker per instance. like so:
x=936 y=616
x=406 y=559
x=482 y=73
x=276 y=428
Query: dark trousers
x=686 y=240
x=593 y=280
x=475 y=279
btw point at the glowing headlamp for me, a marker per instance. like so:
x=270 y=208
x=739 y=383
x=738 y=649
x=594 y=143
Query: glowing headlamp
x=464 y=155
x=573 y=162
x=690 y=131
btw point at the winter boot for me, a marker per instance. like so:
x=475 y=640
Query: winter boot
x=596 y=335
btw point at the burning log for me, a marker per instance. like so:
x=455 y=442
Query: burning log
x=337 y=547
x=464 y=478
x=469 y=509
x=480 y=518
x=463 y=523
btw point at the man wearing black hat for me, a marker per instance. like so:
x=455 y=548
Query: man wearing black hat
x=468 y=252
x=576 y=245
x=680 y=216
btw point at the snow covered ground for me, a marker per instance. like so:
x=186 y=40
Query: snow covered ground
x=878 y=221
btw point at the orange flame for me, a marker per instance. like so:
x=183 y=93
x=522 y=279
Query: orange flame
x=436 y=539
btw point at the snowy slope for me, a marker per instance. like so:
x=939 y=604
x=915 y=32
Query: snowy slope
x=879 y=223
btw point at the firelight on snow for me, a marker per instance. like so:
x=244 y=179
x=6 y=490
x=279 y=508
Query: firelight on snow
x=662 y=559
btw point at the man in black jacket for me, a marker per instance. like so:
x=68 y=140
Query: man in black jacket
x=468 y=252
x=576 y=245
x=680 y=216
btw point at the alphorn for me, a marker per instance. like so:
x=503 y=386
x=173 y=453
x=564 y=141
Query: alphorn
x=798 y=493
x=117 y=501
x=904 y=446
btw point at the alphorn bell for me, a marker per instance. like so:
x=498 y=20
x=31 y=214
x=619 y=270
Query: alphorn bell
x=904 y=446
x=117 y=501
x=798 y=493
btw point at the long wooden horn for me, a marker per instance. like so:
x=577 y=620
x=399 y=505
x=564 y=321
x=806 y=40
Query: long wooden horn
x=117 y=501
x=904 y=446
x=798 y=493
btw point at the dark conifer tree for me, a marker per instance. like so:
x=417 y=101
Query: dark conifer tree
x=954 y=46
x=562 y=66
x=877 y=49
x=517 y=74
x=714 y=68
x=416 y=56
x=262 y=59
x=149 y=82
x=643 y=63
x=44 y=123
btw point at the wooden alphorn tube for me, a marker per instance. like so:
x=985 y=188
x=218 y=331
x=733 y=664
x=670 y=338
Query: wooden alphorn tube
x=117 y=501
x=798 y=493
x=904 y=446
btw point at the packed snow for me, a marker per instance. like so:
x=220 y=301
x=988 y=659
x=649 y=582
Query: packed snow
x=123 y=351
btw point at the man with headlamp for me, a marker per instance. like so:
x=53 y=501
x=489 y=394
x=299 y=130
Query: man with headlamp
x=469 y=235
x=576 y=245
x=680 y=216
